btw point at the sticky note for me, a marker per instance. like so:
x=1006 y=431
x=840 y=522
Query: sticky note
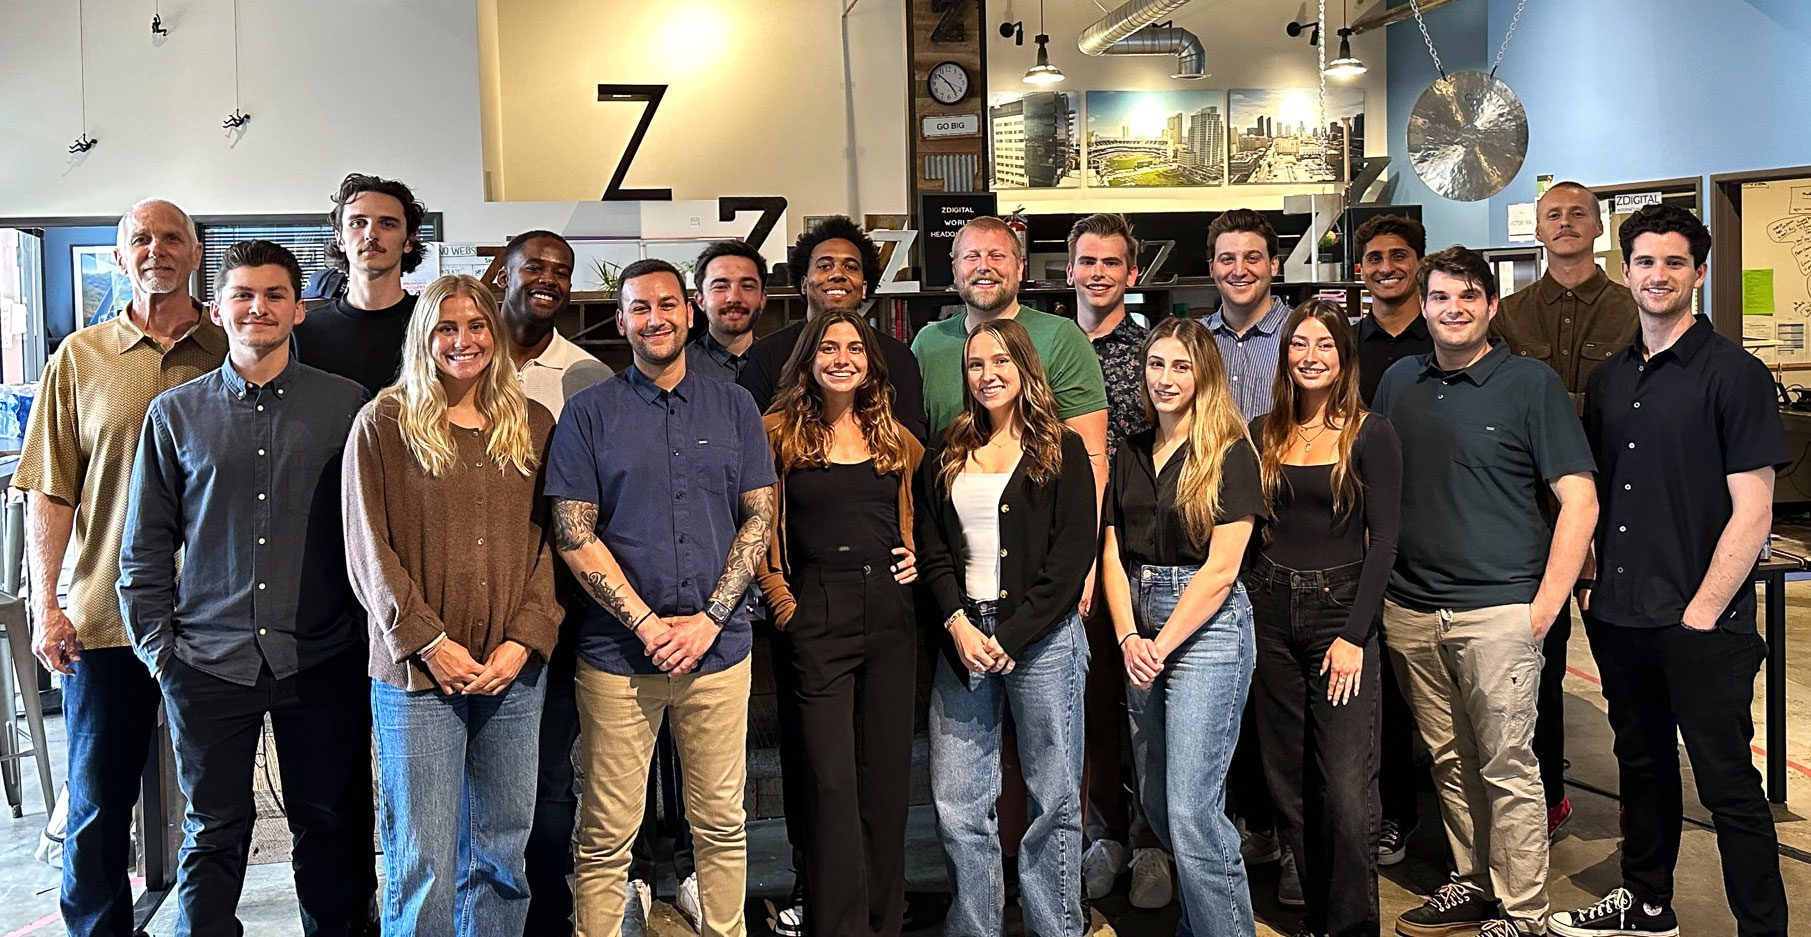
x=1757 y=292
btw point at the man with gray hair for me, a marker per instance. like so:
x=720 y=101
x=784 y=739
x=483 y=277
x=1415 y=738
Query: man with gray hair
x=75 y=471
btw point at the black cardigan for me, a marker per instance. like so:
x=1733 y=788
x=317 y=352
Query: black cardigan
x=1048 y=539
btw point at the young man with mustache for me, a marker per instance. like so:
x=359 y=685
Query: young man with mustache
x=731 y=282
x=359 y=335
x=1571 y=319
x=1480 y=575
x=79 y=446
x=1688 y=437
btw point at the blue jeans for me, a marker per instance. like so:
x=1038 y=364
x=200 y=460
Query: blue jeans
x=1184 y=729
x=110 y=715
x=1045 y=693
x=456 y=784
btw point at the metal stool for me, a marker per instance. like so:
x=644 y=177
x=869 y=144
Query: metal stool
x=20 y=673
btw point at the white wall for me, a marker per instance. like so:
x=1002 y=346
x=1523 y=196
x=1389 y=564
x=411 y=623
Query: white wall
x=391 y=87
x=1246 y=48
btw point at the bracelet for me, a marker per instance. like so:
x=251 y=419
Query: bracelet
x=950 y=622
x=1584 y=584
x=635 y=629
x=1128 y=636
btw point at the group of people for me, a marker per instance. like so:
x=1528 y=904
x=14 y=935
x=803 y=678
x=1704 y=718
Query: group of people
x=1267 y=554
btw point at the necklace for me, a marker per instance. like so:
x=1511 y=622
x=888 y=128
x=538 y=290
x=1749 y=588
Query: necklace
x=1307 y=440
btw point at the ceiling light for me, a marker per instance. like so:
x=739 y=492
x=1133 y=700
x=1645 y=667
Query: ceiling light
x=1043 y=73
x=1347 y=65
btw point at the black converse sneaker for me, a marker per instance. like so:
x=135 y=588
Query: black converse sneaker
x=1450 y=910
x=1617 y=914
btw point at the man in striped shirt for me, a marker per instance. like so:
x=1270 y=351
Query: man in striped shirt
x=1242 y=255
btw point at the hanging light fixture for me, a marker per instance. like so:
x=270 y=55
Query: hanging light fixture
x=1043 y=73
x=1346 y=65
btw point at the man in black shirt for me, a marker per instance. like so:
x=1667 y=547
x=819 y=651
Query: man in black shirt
x=1480 y=577
x=1688 y=440
x=1390 y=248
x=359 y=335
x=731 y=282
x=837 y=266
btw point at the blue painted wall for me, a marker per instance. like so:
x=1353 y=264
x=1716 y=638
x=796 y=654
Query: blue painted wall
x=1458 y=31
x=1629 y=90
x=59 y=297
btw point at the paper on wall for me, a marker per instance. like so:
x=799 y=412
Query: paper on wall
x=1521 y=222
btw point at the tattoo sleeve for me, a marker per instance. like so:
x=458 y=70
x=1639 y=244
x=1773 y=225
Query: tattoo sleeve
x=575 y=536
x=745 y=552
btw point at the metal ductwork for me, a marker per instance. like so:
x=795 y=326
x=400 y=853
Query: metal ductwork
x=1128 y=31
x=1191 y=59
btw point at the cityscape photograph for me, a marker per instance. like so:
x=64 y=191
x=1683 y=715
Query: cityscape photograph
x=1034 y=140
x=1279 y=136
x=1156 y=138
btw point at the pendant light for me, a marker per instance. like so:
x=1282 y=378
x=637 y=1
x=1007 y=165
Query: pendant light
x=1043 y=73
x=1347 y=65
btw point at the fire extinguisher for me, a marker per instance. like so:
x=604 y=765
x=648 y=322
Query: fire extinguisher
x=1022 y=229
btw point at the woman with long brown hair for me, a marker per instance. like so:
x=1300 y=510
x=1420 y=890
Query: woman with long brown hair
x=445 y=541
x=839 y=566
x=1333 y=473
x=1182 y=503
x=1006 y=530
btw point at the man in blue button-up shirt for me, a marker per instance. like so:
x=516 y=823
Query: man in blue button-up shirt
x=1242 y=255
x=663 y=492
x=237 y=475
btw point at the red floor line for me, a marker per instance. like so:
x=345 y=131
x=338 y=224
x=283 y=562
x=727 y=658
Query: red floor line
x=37 y=925
x=1801 y=769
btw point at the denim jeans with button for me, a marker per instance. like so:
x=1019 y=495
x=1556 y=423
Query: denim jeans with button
x=456 y=787
x=1184 y=729
x=1044 y=692
x=110 y=715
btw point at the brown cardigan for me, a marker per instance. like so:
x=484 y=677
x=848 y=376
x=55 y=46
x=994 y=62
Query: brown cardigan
x=466 y=553
x=772 y=577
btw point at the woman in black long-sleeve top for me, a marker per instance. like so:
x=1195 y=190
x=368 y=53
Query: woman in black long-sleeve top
x=1333 y=473
x=1006 y=533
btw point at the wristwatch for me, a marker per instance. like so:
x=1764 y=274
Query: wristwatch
x=720 y=612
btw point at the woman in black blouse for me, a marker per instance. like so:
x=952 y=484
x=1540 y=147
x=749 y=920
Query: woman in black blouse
x=1006 y=532
x=1182 y=503
x=1334 y=476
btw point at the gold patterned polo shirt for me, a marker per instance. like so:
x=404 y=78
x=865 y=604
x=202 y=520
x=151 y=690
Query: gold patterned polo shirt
x=81 y=438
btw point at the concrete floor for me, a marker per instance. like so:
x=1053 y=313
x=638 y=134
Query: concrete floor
x=1584 y=860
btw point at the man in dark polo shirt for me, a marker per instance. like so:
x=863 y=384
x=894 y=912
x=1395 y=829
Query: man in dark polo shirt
x=1480 y=576
x=1688 y=438
x=1572 y=318
x=836 y=265
x=731 y=277
x=359 y=335
x=663 y=492
x=1390 y=248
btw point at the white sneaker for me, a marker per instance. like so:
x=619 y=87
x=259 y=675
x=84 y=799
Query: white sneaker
x=1257 y=848
x=1289 y=883
x=1152 y=882
x=686 y=902
x=790 y=921
x=1102 y=862
x=637 y=902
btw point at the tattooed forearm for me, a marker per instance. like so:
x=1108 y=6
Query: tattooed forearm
x=613 y=597
x=746 y=551
x=574 y=525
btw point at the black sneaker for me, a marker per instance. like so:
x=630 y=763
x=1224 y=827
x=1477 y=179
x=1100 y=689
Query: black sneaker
x=1450 y=910
x=789 y=921
x=1618 y=914
x=1392 y=843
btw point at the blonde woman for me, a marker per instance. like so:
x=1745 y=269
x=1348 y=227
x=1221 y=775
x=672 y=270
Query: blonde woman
x=1183 y=501
x=1334 y=474
x=1006 y=531
x=445 y=540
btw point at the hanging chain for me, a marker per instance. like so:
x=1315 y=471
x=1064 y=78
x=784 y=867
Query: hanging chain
x=1415 y=5
x=1320 y=50
x=1507 y=36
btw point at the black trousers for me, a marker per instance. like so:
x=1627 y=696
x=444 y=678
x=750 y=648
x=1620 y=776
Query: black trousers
x=322 y=723
x=549 y=855
x=1550 y=708
x=854 y=642
x=1661 y=683
x=1320 y=759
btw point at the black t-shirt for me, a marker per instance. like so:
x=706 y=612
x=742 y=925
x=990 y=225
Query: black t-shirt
x=1141 y=502
x=841 y=516
x=766 y=358
x=364 y=345
x=1307 y=535
x=1668 y=430
x=1378 y=349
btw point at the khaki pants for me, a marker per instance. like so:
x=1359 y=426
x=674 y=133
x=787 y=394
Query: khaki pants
x=619 y=717
x=1471 y=678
